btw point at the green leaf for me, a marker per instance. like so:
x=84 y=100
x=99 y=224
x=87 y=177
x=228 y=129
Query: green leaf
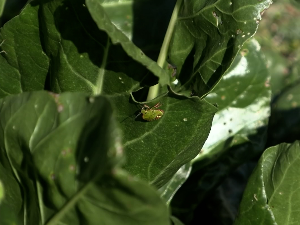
x=64 y=156
x=156 y=150
x=238 y=130
x=71 y=39
x=272 y=196
x=23 y=64
x=206 y=39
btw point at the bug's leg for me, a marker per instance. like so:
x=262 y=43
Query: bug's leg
x=144 y=107
x=157 y=105
x=2 y=50
x=138 y=114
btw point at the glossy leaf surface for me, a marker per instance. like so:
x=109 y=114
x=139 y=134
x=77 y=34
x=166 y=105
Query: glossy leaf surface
x=272 y=194
x=63 y=158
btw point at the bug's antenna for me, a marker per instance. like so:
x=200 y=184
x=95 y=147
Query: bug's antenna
x=140 y=112
x=138 y=115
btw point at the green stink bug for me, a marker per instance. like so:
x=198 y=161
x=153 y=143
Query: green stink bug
x=152 y=113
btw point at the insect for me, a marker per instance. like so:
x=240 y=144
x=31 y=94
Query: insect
x=151 y=114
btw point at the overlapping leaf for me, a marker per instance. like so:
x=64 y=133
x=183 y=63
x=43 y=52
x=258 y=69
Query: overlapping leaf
x=206 y=39
x=272 y=194
x=62 y=157
x=97 y=58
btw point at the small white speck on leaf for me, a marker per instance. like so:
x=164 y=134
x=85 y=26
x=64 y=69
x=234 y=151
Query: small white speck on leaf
x=92 y=100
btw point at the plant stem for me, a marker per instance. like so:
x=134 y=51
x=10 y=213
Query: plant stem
x=153 y=91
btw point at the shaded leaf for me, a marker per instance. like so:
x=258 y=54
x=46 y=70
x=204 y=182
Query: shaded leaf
x=272 y=196
x=206 y=39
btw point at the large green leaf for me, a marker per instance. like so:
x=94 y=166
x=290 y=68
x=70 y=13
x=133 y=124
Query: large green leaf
x=206 y=39
x=238 y=130
x=61 y=152
x=156 y=150
x=272 y=194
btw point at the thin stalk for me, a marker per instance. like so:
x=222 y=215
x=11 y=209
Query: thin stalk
x=153 y=91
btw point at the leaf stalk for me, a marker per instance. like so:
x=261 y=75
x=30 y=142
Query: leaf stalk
x=154 y=90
